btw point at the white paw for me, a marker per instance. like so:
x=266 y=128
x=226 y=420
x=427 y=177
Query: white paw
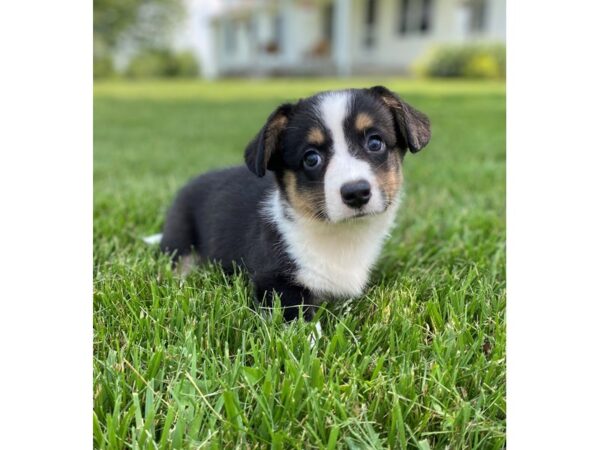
x=153 y=239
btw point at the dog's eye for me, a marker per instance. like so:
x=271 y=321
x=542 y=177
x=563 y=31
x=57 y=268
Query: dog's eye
x=312 y=159
x=375 y=144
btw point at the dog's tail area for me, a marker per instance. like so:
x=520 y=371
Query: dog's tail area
x=153 y=239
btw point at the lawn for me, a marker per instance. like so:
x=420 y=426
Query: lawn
x=417 y=362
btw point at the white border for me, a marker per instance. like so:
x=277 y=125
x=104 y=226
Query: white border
x=46 y=224
x=553 y=225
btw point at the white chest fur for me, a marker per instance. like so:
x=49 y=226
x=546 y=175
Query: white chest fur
x=333 y=259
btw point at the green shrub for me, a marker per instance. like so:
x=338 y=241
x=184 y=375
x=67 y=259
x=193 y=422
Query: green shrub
x=103 y=67
x=162 y=64
x=469 y=61
x=146 y=65
x=183 y=64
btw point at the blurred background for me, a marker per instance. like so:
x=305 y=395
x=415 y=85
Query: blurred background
x=261 y=38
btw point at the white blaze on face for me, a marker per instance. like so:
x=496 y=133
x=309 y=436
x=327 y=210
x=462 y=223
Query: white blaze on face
x=343 y=167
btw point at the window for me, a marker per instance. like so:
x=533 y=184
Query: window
x=251 y=28
x=328 y=22
x=275 y=43
x=229 y=31
x=477 y=15
x=370 y=18
x=415 y=16
x=278 y=29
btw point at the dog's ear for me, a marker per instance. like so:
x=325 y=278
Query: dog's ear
x=261 y=152
x=412 y=126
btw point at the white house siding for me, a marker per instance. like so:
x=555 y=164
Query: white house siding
x=231 y=39
x=497 y=20
x=302 y=28
x=302 y=31
x=400 y=50
x=394 y=51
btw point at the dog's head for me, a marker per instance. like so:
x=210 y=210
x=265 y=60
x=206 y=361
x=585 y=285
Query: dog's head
x=337 y=155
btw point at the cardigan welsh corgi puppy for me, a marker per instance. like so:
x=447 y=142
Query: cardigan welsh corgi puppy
x=308 y=214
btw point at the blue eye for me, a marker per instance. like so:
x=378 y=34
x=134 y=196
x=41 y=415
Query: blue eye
x=375 y=144
x=312 y=159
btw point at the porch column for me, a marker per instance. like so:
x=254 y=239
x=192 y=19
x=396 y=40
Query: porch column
x=461 y=20
x=496 y=19
x=341 y=36
x=210 y=53
x=288 y=37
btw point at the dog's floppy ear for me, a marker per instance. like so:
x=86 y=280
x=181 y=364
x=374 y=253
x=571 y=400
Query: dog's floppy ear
x=413 y=125
x=263 y=148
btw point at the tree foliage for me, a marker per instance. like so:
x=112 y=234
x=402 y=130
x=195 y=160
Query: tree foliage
x=143 y=23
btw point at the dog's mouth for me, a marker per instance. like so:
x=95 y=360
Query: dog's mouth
x=366 y=212
x=360 y=216
x=354 y=216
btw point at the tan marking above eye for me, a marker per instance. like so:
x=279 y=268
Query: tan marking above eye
x=363 y=121
x=316 y=136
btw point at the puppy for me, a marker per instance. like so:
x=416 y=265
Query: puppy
x=307 y=216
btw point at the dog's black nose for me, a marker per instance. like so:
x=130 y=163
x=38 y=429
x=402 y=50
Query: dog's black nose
x=356 y=193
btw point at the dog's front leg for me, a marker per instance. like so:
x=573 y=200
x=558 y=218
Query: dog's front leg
x=295 y=299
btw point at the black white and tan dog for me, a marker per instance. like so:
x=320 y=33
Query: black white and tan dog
x=308 y=214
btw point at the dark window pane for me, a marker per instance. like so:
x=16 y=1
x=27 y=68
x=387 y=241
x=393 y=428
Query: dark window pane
x=426 y=14
x=278 y=29
x=370 y=16
x=328 y=22
x=477 y=15
x=229 y=31
x=403 y=16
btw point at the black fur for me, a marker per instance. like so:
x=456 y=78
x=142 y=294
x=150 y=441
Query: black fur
x=217 y=217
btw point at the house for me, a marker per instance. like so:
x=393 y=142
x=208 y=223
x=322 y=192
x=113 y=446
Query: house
x=303 y=37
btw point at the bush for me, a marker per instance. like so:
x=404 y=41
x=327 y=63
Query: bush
x=183 y=64
x=103 y=67
x=162 y=64
x=469 y=61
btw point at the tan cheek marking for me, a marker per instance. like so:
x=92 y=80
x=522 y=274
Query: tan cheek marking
x=363 y=121
x=316 y=136
x=301 y=203
x=391 y=178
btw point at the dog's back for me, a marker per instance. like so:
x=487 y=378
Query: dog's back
x=217 y=216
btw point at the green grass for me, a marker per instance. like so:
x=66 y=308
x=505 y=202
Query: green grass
x=417 y=362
